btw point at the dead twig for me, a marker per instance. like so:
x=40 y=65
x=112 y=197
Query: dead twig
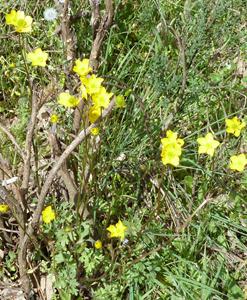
x=9 y=230
x=13 y=140
x=189 y=219
x=63 y=172
x=181 y=47
x=67 y=34
x=28 y=143
x=95 y=20
x=104 y=26
x=24 y=188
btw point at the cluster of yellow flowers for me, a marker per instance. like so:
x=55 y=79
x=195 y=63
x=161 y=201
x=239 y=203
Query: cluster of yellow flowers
x=23 y=24
x=91 y=85
x=172 y=146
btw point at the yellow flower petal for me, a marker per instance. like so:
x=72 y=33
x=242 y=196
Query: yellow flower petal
x=24 y=25
x=54 y=118
x=18 y=19
x=234 y=126
x=207 y=144
x=4 y=208
x=98 y=244
x=120 y=229
x=92 y=84
x=171 y=148
x=37 y=57
x=68 y=100
x=112 y=230
x=238 y=162
x=11 y=17
x=48 y=215
x=95 y=131
x=117 y=230
x=94 y=113
x=169 y=157
x=101 y=98
x=83 y=92
x=82 y=68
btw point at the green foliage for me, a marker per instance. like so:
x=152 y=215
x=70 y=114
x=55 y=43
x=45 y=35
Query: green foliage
x=143 y=60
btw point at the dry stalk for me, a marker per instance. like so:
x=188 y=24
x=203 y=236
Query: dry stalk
x=104 y=26
x=207 y=199
x=63 y=172
x=95 y=20
x=67 y=34
x=28 y=144
x=22 y=255
x=13 y=140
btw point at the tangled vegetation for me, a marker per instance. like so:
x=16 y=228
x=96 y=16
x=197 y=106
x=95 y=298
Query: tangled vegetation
x=123 y=149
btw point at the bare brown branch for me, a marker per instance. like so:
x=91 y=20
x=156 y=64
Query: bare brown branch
x=12 y=139
x=28 y=143
x=95 y=16
x=63 y=172
x=104 y=26
x=67 y=36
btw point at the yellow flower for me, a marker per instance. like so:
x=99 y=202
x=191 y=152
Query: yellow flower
x=234 y=126
x=207 y=144
x=54 y=118
x=102 y=98
x=238 y=162
x=4 y=208
x=171 y=148
x=117 y=230
x=120 y=101
x=18 y=19
x=82 y=68
x=171 y=137
x=95 y=131
x=94 y=113
x=37 y=57
x=68 y=100
x=83 y=92
x=48 y=215
x=92 y=84
x=172 y=141
x=98 y=244
x=11 y=17
x=169 y=156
